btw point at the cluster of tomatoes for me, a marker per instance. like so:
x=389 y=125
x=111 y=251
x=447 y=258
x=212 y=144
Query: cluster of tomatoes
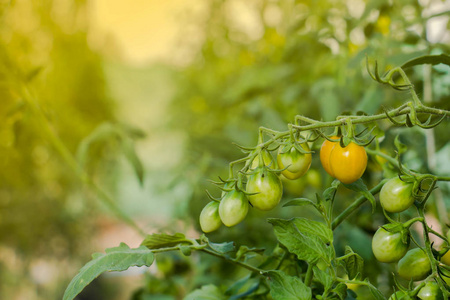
x=264 y=188
x=391 y=242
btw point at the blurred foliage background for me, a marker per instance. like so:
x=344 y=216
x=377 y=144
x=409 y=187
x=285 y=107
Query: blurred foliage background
x=152 y=132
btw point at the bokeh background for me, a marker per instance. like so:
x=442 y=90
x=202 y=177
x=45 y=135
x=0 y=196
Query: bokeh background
x=147 y=97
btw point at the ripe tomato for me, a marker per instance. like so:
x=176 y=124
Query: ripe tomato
x=297 y=163
x=267 y=158
x=430 y=291
x=349 y=163
x=233 y=208
x=268 y=187
x=209 y=217
x=388 y=246
x=415 y=265
x=396 y=195
x=325 y=152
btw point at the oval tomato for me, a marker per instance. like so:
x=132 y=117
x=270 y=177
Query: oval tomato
x=388 y=246
x=325 y=152
x=268 y=188
x=233 y=208
x=349 y=163
x=430 y=291
x=396 y=195
x=209 y=217
x=297 y=163
x=415 y=265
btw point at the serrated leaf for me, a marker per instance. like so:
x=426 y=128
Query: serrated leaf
x=207 y=292
x=225 y=247
x=310 y=242
x=115 y=259
x=354 y=264
x=284 y=287
x=162 y=240
x=324 y=278
x=360 y=186
x=340 y=290
x=428 y=59
x=299 y=202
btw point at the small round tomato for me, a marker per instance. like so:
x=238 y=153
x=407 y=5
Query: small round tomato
x=396 y=195
x=388 y=246
x=267 y=188
x=267 y=158
x=233 y=208
x=415 y=265
x=349 y=163
x=297 y=163
x=325 y=152
x=430 y=291
x=209 y=217
x=400 y=295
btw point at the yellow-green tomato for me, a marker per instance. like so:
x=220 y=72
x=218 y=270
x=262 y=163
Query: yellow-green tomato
x=233 y=208
x=400 y=295
x=297 y=163
x=396 y=195
x=415 y=265
x=267 y=189
x=267 y=158
x=209 y=217
x=388 y=246
x=430 y=291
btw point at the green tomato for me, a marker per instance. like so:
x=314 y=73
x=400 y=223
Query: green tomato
x=388 y=246
x=396 y=195
x=430 y=291
x=297 y=163
x=400 y=295
x=267 y=158
x=233 y=208
x=209 y=217
x=267 y=188
x=415 y=265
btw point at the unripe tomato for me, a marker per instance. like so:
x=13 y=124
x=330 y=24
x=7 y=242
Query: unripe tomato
x=209 y=217
x=349 y=163
x=325 y=152
x=396 y=195
x=267 y=158
x=388 y=246
x=233 y=208
x=415 y=265
x=298 y=163
x=268 y=187
x=446 y=258
x=430 y=291
x=400 y=295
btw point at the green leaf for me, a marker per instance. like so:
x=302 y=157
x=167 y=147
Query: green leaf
x=340 y=290
x=207 y=292
x=330 y=192
x=300 y=202
x=375 y=292
x=360 y=186
x=354 y=264
x=428 y=59
x=284 y=287
x=244 y=250
x=309 y=240
x=225 y=247
x=115 y=259
x=162 y=240
x=324 y=278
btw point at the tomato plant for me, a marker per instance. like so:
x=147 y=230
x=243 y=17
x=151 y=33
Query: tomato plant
x=349 y=163
x=209 y=217
x=396 y=195
x=415 y=265
x=294 y=163
x=430 y=291
x=264 y=188
x=388 y=246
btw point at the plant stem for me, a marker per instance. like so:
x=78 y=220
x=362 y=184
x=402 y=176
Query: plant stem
x=236 y=262
x=355 y=205
x=309 y=275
